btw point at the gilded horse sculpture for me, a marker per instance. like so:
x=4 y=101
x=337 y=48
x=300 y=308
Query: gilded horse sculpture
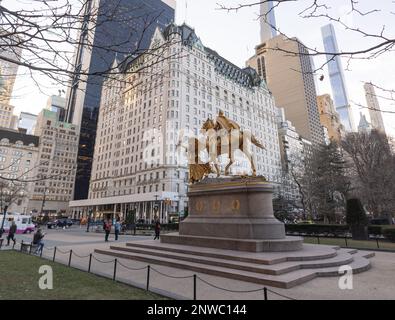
x=226 y=137
x=222 y=137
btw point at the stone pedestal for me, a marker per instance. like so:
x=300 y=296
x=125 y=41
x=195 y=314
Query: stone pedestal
x=234 y=214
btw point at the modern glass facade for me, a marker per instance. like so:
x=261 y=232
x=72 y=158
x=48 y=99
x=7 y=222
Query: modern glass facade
x=268 y=21
x=336 y=76
x=123 y=27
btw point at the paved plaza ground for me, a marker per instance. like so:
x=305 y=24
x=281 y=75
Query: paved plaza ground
x=377 y=283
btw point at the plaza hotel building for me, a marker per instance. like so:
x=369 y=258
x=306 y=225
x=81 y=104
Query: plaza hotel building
x=147 y=100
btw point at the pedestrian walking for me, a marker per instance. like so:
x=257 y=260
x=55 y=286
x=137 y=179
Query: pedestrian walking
x=107 y=229
x=11 y=233
x=117 y=228
x=157 y=229
x=38 y=240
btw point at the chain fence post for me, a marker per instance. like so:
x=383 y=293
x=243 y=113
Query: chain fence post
x=21 y=245
x=345 y=239
x=30 y=249
x=148 y=276
x=378 y=245
x=194 y=286
x=115 y=269
x=71 y=253
x=54 y=254
x=90 y=263
x=265 y=293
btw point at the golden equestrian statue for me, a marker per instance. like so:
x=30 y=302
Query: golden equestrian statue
x=223 y=136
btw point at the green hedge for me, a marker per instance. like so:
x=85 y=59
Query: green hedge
x=376 y=230
x=389 y=233
x=337 y=230
x=163 y=226
x=317 y=229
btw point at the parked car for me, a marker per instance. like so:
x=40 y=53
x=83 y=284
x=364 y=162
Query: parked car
x=60 y=223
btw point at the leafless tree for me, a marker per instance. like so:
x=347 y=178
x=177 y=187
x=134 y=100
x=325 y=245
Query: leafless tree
x=11 y=193
x=300 y=177
x=375 y=41
x=331 y=184
x=43 y=36
x=373 y=164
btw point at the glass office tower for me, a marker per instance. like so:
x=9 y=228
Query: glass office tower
x=268 y=21
x=336 y=76
x=120 y=28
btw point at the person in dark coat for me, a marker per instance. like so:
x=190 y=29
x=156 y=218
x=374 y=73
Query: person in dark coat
x=157 y=229
x=11 y=233
x=38 y=240
x=117 y=228
x=107 y=229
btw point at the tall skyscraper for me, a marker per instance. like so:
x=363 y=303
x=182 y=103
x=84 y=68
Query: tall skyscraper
x=268 y=21
x=376 y=117
x=118 y=28
x=9 y=51
x=336 y=76
x=289 y=77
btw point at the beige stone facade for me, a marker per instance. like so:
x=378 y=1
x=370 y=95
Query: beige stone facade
x=286 y=68
x=137 y=164
x=56 y=164
x=6 y=115
x=330 y=118
x=18 y=157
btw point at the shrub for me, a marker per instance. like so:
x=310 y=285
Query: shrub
x=389 y=233
x=336 y=230
x=315 y=229
x=375 y=230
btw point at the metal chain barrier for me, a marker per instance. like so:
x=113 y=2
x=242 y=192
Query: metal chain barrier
x=101 y=261
x=81 y=257
x=228 y=290
x=281 y=295
x=63 y=252
x=130 y=268
x=71 y=252
x=172 y=277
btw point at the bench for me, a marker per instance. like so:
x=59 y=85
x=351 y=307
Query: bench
x=28 y=247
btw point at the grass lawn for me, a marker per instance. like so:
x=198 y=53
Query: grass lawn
x=372 y=244
x=19 y=279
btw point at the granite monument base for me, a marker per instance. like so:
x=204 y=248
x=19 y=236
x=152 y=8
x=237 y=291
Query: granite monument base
x=233 y=214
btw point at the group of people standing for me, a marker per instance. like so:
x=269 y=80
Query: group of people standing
x=107 y=226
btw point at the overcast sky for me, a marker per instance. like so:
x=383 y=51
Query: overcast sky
x=235 y=35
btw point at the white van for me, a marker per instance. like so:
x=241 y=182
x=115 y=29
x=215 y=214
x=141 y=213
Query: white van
x=23 y=223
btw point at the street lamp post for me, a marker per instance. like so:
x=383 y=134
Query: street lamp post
x=43 y=203
x=89 y=220
x=2 y=223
